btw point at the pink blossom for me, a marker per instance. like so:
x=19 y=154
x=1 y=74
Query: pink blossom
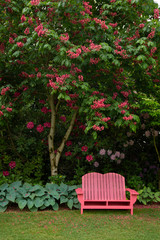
x=122 y=156
x=40 y=128
x=117 y=154
x=47 y=124
x=63 y=118
x=35 y=2
x=4 y=90
x=1 y=113
x=26 y=31
x=68 y=143
x=80 y=77
x=11 y=41
x=102 y=152
x=3 y=107
x=64 y=37
x=113 y=157
x=105 y=119
x=12 y=164
x=42 y=101
x=147 y=133
x=141 y=25
x=9 y=109
x=96 y=164
x=84 y=148
x=156 y=13
x=44 y=110
x=128 y=118
x=123 y=111
x=109 y=152
x=23 y=18
x=20 y=44
x=30 y=125
x=5 y=173
x=89 y=158
x=68 y=154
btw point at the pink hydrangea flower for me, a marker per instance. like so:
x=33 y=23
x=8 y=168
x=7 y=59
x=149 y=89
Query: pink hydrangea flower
x=12 y=164
x=40 y=128
x=102 y=152
x=30 y=125
x=113 y=157
x=96 y=164
x=89 y=158
x=84 y=148
x=117 y=154
x=109 y=152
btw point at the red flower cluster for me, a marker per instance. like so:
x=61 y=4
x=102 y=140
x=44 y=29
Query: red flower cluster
x=128 y=118
x=35 y=2
x=84 y=148
x=97 y=128
x=94 y=61
x=156 y=13
x=74 y=55
x=40 y=128
x=4 y=90
x=30 y=125
x=102 y=23
x=87 y=7
x=64 y=37
x=151 y=34
x=89 y=158
x=12 y=164
x=20 y=44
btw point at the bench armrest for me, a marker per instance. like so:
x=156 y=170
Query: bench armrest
x=133 y=195
x=79 y=192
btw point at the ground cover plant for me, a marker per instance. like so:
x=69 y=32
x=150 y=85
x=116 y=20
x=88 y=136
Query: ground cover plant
x=93 y=224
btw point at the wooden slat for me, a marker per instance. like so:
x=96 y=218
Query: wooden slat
x=110 y=186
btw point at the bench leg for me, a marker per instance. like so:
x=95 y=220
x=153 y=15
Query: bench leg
x=81 y=210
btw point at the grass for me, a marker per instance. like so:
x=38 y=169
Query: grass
x=93 y=224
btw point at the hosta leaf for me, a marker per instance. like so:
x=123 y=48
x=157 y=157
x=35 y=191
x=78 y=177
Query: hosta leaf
x=38 y=202
x=16 y=184
x=33 y=209
x=70 y=203
x=4 y=186
x=22 y=204
x=4 y=203
x=11 y=196
x=63 y=199
x=3 y=209
x=30 y=203
x=55 y=207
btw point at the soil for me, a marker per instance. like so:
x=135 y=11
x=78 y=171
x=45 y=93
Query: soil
x=14 y=208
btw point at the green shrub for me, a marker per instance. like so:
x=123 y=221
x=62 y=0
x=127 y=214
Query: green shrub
x=37 y=197
x=147 y=196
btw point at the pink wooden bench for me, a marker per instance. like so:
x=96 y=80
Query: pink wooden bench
x=105 y=191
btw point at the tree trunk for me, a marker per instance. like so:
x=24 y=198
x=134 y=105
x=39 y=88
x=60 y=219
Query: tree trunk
x=54 y=158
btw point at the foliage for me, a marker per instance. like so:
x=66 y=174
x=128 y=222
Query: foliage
x=37 y=197
x=147 y=196
x=64 y=59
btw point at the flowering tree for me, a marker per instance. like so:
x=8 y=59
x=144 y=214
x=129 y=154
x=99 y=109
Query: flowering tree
x=77 y=59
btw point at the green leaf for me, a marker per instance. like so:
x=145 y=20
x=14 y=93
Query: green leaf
x=55 y=207
x=70 y=203
x=22 y=204
x=30 y=203
x=94 y=134
x=3 y=209
x=63 y=199
x=16 y=184
x=4 y=186
x=38 y=202
x=4 y=203
x=33 y=209
x=40 y=193
x=11 y=196
x=35 y=188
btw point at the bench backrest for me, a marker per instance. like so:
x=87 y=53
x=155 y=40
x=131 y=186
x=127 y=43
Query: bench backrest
x=109 y=186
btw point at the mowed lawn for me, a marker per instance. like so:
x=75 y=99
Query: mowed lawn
x=70 y=224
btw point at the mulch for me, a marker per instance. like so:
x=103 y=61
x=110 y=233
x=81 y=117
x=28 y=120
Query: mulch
x=14 y=208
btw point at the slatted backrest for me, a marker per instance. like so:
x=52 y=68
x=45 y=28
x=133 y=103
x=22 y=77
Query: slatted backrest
x=109 y=186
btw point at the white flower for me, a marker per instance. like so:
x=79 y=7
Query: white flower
x=131 y=142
